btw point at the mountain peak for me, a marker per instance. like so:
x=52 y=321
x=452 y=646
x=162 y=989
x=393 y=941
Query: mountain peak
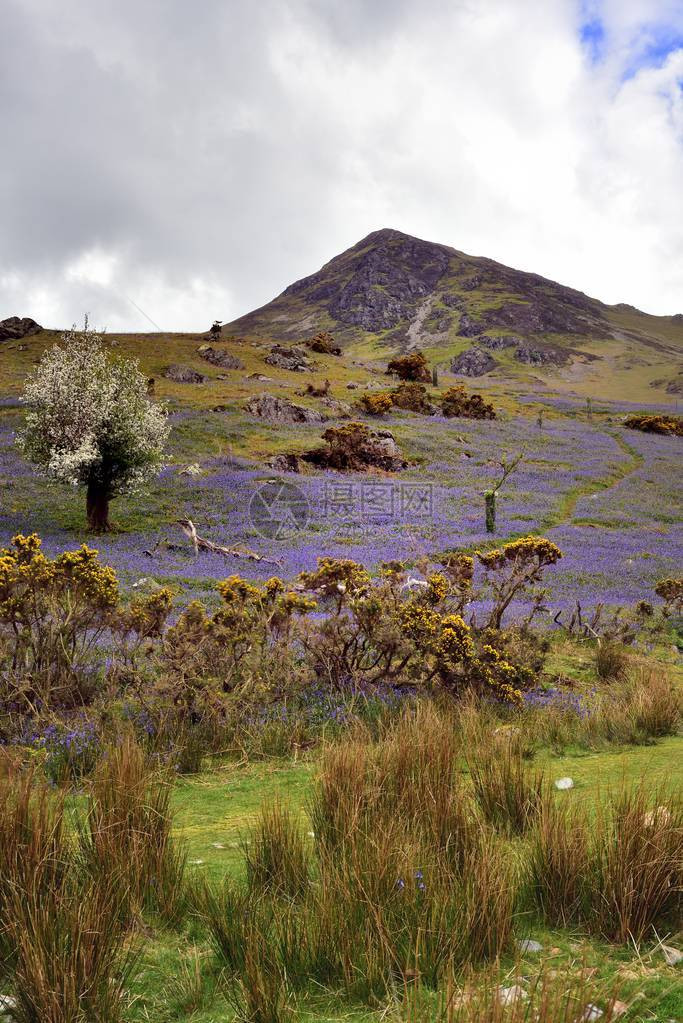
x=410 y=291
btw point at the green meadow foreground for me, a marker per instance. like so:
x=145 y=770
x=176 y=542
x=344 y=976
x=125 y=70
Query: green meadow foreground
x=217 y=818
x=417 y=862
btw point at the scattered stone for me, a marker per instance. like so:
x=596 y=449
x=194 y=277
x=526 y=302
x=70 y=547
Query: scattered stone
x=529 y=945
x=284 y=463
x=564 y=783
x=147 y=584
x=259 y=376
x=293 y=359
x=220 y=357
x=510 y=995
x=338 y=409
x=672 y=956
x=184 y=375
x=591 y=1013
x=196 y=863
x=351 y=386
x=194 y=469
x=474 y=362
x=16 y=327
x=218 y=845
x=220 y=408
x=280 y=410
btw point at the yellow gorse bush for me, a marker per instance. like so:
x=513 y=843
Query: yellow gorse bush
x=529 y=550
x=57 y=614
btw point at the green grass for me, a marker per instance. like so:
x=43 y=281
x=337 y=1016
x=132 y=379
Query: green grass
x=217 y=808
x=220 y=804
x=633 y=366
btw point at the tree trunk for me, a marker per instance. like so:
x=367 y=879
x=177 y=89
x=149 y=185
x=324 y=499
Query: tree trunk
x=97 y=508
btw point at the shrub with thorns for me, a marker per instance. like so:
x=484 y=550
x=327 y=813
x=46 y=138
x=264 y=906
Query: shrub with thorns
x=410 y=367
x=457 y=403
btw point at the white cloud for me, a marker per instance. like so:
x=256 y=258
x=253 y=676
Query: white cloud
x=194 y=161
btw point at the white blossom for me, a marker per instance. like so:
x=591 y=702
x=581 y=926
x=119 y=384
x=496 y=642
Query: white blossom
x=89 y=417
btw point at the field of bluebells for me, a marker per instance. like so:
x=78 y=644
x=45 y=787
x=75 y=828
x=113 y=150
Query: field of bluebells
x=606 y=495
x=435 y=828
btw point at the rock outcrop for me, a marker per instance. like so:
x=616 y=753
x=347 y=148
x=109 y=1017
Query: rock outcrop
x=469 y=327
x=389 y=279
x=220 y=357
x=537 y=355
x=275 y=409
x=500 y=341
x=14 y=328
x=293 y=359
x=184 y=375
x=337 y=409
x=543 y=316
x=474 y=362
x=283 y=463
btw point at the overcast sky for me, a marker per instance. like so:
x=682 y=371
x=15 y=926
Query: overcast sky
x=187 y=160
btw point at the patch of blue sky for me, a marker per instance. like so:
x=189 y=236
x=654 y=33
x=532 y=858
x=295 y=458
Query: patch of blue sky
x=593 y=34
x=655 y=44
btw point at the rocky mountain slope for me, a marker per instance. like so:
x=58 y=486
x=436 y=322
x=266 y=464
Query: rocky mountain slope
x=394 y=292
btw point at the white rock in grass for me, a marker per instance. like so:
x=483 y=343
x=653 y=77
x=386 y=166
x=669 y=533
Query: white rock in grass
x=7 y=1004
x=510 y=995
x=529 y=945
x=673 y=956
x=591 y=1013
x=564 y=783
x=217 y=845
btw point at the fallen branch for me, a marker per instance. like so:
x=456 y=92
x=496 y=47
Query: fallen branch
x=201 y=544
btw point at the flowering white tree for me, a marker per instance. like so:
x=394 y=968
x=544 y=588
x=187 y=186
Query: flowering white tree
x=90 y=422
